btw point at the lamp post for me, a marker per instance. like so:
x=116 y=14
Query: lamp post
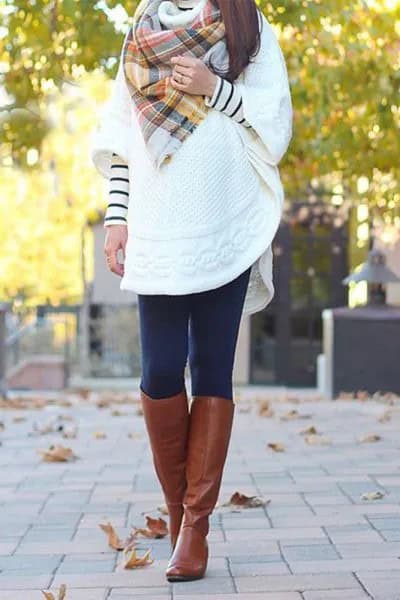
x=377 y=275
x=362 y=344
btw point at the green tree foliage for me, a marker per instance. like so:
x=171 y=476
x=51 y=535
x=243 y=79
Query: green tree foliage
x=343 y=58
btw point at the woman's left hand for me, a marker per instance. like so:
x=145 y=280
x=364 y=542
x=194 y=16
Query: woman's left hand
x=191 y=75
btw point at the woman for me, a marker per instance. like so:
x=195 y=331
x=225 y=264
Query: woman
x=199 y=118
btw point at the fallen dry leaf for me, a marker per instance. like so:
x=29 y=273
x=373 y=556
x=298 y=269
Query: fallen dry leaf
x=317 y=440
x=294 y=414
x=99 y=435
x=370 y=438
x=134 y=561
x=57 y=453
x=312 y=430
x=108 y=398
x=135 y=435
x=276 y=446
x=156 y=528
x=372 y=495
x=113 y=540
x=118 y=413
x=67 y=417
x=243 y=501
x=22 y=403
x=293 y=399
x=83 y=393
x=19 y=419
x=103 y=403
x=130 y=542
x=65 y=403
x=61 y=593
x=385 y=417
x=264 y=409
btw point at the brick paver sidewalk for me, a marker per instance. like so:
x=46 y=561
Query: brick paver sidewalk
x=316 y=540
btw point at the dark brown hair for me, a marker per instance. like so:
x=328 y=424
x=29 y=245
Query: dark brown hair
x=242 y=27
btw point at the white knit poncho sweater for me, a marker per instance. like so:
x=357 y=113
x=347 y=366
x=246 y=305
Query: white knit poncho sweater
x=213 y=210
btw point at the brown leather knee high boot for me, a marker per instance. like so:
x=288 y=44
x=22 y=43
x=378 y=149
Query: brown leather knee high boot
x=211 y=420
x=167 y=422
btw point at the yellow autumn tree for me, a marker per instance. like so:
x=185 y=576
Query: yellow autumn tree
x=44 y=209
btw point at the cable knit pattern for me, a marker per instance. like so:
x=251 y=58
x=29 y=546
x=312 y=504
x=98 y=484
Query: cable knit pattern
x=217 y=253
x=213 y=209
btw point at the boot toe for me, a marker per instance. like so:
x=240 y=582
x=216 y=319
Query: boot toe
x=189 y=559
x=183 y=573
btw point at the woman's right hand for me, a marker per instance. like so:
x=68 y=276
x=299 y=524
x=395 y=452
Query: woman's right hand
x=116 y=238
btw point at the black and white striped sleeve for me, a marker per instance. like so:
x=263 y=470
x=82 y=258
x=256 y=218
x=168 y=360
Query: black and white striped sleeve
x=228 y=99
x=118 y=198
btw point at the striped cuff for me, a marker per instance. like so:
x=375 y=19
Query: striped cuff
x=118 y=196
x=228 y=99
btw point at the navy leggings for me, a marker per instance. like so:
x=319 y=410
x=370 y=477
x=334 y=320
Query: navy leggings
x=202 y=326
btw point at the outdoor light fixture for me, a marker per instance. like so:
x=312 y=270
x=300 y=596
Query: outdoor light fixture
x=377 y=275
x=362 y=345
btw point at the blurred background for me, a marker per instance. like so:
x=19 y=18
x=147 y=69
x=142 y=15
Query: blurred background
x=63 y=319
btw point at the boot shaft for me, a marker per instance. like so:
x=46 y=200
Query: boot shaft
x=211 y=420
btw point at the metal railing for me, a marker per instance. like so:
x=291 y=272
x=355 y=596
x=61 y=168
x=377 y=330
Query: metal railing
x=107 y=345
x=48 y=337
x=114 y=342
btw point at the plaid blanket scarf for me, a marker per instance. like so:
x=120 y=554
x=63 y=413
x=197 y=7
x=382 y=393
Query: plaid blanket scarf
x=166 y=115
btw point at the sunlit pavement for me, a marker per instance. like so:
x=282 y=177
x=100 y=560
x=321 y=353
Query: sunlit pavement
x=331 y=529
